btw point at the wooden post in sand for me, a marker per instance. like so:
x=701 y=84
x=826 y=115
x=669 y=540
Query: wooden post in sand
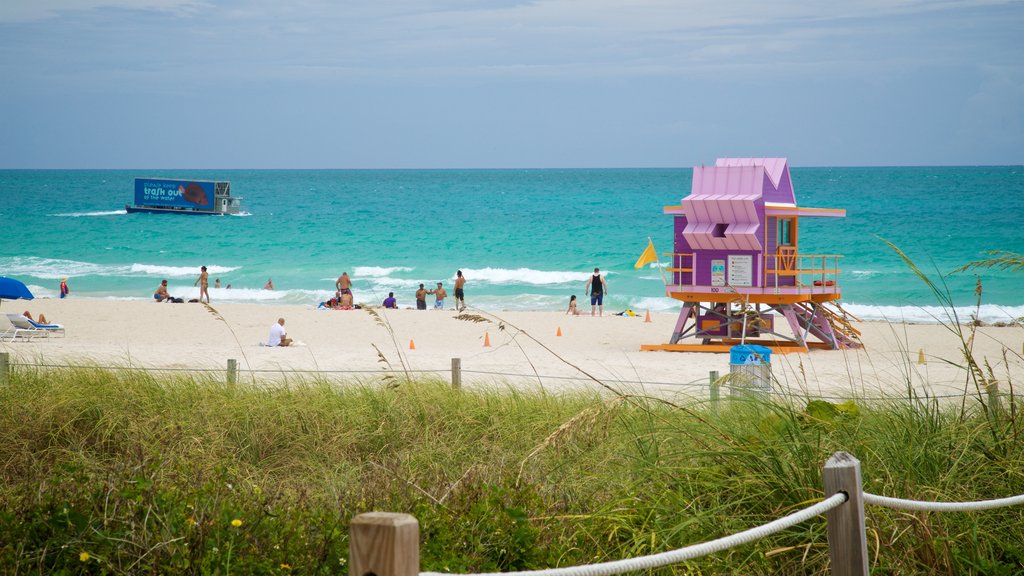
x=5 y=366
x=456 y=373
x=713 y=377
x=232 y=370
x=384 y=544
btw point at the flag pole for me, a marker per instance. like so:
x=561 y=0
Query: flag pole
x=660 y=269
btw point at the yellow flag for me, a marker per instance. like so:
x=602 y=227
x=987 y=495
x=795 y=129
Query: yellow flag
x=648 y=256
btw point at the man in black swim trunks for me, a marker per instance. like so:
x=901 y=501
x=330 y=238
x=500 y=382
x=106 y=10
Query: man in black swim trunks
x=460 y=294
x=596 y=287
x=421 y=298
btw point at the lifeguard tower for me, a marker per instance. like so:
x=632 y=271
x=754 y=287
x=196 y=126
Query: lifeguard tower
x=737 y=268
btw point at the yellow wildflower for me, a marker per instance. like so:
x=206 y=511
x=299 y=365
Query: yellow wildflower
x=84 y=556
x=236 y=522
x=286 y=566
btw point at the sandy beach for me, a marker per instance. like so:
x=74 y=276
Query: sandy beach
x=525 y=350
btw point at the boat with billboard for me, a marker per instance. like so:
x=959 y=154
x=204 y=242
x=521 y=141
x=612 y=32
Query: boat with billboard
x=169 y=196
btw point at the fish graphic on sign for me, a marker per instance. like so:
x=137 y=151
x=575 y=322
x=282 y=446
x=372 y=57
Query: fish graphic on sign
x=193 y=193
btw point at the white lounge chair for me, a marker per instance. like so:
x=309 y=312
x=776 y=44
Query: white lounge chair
x=22 y=327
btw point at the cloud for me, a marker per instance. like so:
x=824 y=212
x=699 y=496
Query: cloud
x=32 y=10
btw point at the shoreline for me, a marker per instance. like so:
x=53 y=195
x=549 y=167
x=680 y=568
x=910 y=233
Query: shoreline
x=525 y=349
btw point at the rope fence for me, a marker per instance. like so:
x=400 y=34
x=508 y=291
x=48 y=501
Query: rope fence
x=715 y=384
x=387 y=544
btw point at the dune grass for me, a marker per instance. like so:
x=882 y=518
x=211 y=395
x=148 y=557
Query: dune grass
x=124 y=472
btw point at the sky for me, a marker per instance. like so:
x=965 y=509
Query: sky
x=508 y=84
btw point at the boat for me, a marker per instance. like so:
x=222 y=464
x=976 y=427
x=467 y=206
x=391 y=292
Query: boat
x=169 y=196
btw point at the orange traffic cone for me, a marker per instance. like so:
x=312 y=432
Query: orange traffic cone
x=648 y=318
x=412 y=345
x=559 y=333
x=487 y=340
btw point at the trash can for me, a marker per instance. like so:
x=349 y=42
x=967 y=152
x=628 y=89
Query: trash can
x=751 y=369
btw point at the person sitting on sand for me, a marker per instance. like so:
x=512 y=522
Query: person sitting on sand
x=161 y=294
x=421 y=298
x=439 y=293
x=390 y=301
x=346 y=300
x=42 y=317
x=269 y=285
x=278 y=336
x=572 y=306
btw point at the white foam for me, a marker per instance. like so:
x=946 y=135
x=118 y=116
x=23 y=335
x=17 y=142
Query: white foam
x=378 y=271
x=178 y=271
x=52 y=268
x=988 y=313
x=81 y=214
x=524 y=276
x=654 y=304
x=55 y=268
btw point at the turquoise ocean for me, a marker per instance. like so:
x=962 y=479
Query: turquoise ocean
x=525 y=239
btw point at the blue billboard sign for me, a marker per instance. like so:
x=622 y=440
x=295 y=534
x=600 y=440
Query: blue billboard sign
x=174 y=193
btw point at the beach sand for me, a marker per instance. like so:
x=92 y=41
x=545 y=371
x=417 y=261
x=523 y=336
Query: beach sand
x=525 y=351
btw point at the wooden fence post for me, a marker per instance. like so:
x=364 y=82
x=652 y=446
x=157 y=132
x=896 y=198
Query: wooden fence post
x=713 y=377
x=384 y=544
x=994 y=402
x=232 y=370
x=5 y=367
x=847 y=542
x=456 y=373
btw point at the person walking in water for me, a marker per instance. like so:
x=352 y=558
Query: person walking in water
x=64 y=288
x=596 y=287
x=204 y=284
x=460 y=292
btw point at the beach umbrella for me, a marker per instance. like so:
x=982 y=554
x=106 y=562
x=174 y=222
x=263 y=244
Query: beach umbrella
x=11 y=289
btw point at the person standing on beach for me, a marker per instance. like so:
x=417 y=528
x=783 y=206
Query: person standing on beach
x=421 y=298
x=460 y=292
x=596 y=287
x=440 y=293
x=344 y=284
x=204 y=284
x=278 y=337
x=64 y=288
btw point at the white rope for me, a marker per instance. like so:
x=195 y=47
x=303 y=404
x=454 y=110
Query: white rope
x=901 y=504
x=682 y=554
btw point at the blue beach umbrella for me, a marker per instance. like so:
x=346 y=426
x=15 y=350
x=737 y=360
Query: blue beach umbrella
x=11 y=289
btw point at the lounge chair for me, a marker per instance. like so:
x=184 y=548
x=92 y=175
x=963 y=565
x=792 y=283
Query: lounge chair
x=22 y=327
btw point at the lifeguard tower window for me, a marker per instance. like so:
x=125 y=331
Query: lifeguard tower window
x=719 y=231
x=786 y=236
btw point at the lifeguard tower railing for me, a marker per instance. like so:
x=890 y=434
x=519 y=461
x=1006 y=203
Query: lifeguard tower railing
x=782 y=273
